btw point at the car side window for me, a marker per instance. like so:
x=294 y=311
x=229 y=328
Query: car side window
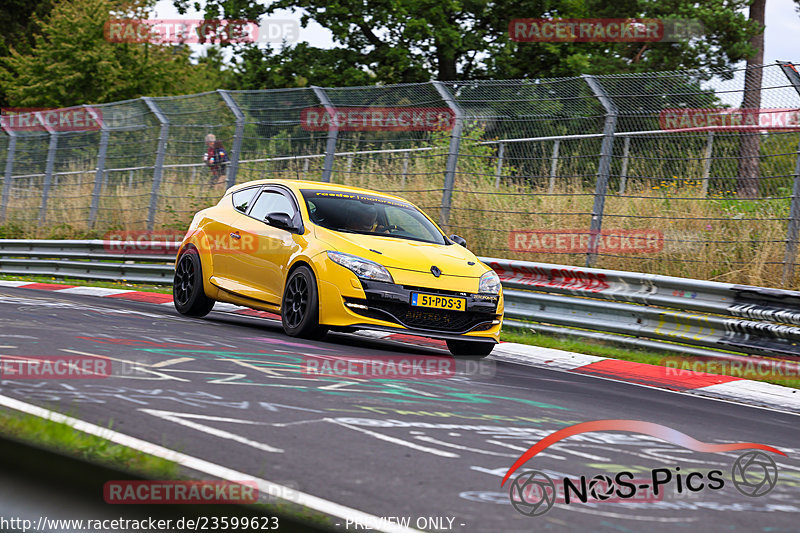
x=242 y=199
x=271 y=202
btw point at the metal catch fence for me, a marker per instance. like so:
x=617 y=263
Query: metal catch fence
x=661 y=172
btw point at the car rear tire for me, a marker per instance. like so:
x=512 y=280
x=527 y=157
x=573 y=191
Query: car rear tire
x=475 y=349
x=187 y=286
x=300 y=306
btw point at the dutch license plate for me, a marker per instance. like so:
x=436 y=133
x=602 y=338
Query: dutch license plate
x=438 y=302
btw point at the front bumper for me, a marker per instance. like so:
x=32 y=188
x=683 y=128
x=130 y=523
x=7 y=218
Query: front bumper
x=389 y=304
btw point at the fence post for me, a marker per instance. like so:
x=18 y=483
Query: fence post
x=793 y=229
x=48 y=170
x=623 y=173
x=12 y=148
x=333 y=132
x=707 y=162
x=237 y=136
x=405 y=170
x=158 y=168
x=101 y=165
x=501 y=150
x=604 y=166
x=554 y=166
x=452 y=155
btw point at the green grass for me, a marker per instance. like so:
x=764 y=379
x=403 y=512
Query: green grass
x=68 y=441
x=64 y=439
x=122 y=285
x=598 y=348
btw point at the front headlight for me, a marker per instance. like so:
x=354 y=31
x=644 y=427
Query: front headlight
x=490 y=283
x=363 y=268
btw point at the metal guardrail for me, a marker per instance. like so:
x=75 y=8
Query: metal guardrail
x=701 y=314
x=658 y=312
x=137 y=262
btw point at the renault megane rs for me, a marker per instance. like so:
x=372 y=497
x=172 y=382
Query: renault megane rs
x=329 y=257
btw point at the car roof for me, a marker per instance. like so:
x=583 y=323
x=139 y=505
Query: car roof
x=298 y=185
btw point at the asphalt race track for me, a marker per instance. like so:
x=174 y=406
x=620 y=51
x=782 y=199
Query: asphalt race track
x=231 y=389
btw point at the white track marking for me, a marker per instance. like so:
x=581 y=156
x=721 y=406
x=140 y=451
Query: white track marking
x=180 y=418
x=521 y=449
x=4 y=283
x=169 y=362
x=426 y=438
x=537 y=356
x=206 y=467
x=624 y=516
x=395 y=440
x=140 y=367
x=563 y=448
x=94 y=291
x=757 y=391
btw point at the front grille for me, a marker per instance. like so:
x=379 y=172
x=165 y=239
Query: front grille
x=423 y=318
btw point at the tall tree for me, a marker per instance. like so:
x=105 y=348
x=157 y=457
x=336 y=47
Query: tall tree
x=417 y=40
x=20 y=25
x=747 y=184
x=71 y=62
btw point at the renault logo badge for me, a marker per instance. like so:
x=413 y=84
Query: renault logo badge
x=435 y=271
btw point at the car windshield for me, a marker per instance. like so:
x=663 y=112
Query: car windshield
x=370 y=215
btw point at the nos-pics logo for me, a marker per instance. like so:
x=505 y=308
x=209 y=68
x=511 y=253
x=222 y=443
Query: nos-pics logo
x=533 y=492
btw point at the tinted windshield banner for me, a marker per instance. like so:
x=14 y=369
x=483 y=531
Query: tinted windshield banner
x=308 y=195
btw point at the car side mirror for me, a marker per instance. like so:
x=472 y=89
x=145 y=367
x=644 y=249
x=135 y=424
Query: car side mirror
x=281 y=221
x=459 y=240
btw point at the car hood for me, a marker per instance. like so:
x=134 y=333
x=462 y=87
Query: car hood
x=404 y=254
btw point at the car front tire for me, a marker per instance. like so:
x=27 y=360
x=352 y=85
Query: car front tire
x=300 y=305
x=475 y=349
x=188 y=295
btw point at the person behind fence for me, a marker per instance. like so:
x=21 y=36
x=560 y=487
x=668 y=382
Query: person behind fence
x=216 y=158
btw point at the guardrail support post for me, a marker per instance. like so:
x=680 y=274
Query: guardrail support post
x=452 y=155
x=604 y=166
x=48 y=170
x=9 y=171
x=101 y=165
x=236 y=149
x=501 y=149
x=333 y=133
x=554 y=166
x=158 y=168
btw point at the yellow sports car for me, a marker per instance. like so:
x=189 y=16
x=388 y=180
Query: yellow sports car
x=330 y=257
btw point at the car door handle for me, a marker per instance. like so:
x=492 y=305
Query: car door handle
x=236 y=235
